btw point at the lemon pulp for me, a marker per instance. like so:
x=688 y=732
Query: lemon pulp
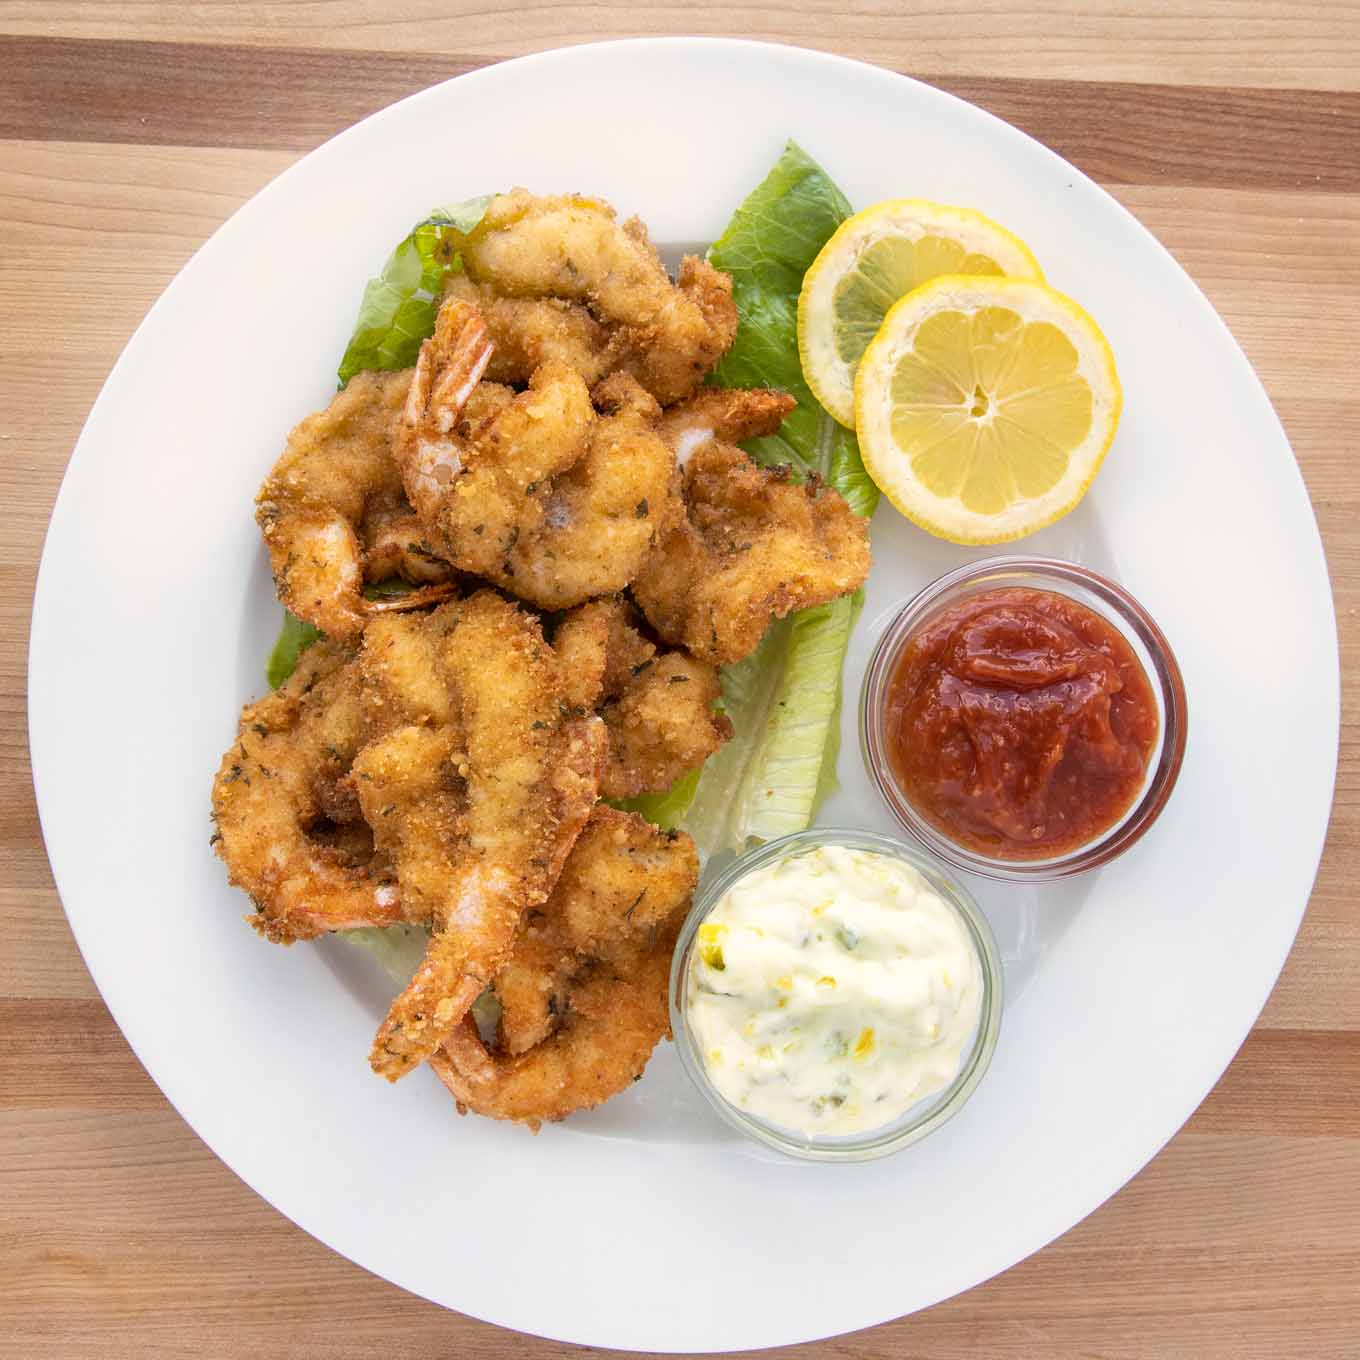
x=984 y=406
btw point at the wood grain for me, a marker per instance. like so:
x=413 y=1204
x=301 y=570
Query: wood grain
x=132 y=131
x=1282 y=44
x=212 y=95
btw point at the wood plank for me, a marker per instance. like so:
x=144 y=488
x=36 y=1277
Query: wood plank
x=294 y=98
x=1225 y=1247
x=1262 y=43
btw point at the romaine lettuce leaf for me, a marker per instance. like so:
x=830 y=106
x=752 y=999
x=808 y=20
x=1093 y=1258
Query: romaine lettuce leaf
x=294 y=639
x=666 y=810
x=398 y=307
x=784 y=700
x=399 y=949
x=768 y=246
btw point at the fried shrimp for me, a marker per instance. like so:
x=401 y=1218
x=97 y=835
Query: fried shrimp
x=552 y=463
x=753 y=546
x=600 y=650
x=529 y=332
x=583 y=995
x=602 y=517
x=729 y=414
x=484 y=490
x=658 y=709
x=666 y=334
x=396 y=545
x=549 y=501
x=284 y=814
x=477 y=816
x=662 y=726
x=337 y=466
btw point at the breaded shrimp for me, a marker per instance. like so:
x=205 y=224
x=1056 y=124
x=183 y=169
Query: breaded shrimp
x=337 y=466
x=397 y=545
x=600 y=650
x=728 y=414
x=485 y=494
x=478 y=822
x=545 y=499
x=668 y=335
x=602 y=517
x=753 y=546
x=658 y=709
x=280 y=787
x=662 y=726
x=530 y=332
x=583 y=995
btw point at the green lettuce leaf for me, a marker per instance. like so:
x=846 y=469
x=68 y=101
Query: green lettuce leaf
x=294 y=639
x=666 y=810
x=399 y=949
x=784 y=700
x=768 y=246
x=398 y=307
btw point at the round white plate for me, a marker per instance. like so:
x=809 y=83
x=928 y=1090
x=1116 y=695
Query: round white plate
x=645 y=1225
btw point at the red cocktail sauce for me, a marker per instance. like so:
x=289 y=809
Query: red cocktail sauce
x=1020 y=723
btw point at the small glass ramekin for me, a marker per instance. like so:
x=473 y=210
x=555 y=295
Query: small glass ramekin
x=1114 y=604
x=927 y=1114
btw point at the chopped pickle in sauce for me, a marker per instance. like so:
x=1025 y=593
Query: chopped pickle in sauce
x=1020 y=723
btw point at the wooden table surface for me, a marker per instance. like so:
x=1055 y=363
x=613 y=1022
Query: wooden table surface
x=128 y=132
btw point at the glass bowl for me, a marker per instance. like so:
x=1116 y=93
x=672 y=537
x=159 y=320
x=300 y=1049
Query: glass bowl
x=1114 y=604
x=927 y=1114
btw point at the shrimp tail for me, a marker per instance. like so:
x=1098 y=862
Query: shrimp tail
x=449 y=367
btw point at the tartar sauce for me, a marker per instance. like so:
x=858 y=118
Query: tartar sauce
x=831 y=991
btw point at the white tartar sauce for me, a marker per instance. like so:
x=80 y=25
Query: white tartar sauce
x=831 y=991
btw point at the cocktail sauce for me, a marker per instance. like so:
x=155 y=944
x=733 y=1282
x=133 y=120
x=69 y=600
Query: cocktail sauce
x=1020 y=723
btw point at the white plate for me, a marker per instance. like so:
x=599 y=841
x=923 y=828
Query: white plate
x=645 y=1225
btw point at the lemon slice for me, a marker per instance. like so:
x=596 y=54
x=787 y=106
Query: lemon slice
x=876 y=257
x=984 y=406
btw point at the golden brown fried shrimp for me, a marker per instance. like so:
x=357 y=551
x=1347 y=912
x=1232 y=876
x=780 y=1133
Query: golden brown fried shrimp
x=753 y=546
x=658 y=709
x=309 y=508
x=602 y=1047
x=671 y=361
x=600 y=650
x=602 y=517
x=729 y=414
x=530 y=332
x=403 y=675
x=549 y=502
x=396 y=545
x=338 y=464
x=621 y=880
x=583 y=996
x=395 y=540
x=477 y=821
x=668 y=335
x=275 y=796
x=662 y=726
x=482 y=490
